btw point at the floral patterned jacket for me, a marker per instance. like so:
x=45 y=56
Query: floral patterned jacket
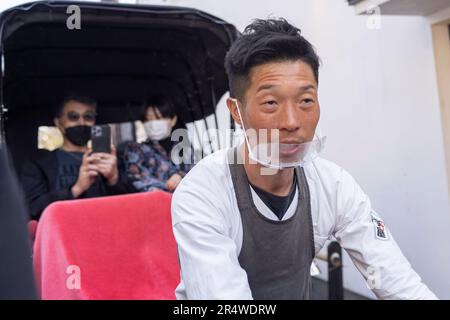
x=148 y=166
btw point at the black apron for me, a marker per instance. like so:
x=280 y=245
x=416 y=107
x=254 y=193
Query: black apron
x=276 y=255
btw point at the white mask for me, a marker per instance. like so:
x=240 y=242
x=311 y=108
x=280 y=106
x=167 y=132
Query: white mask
x=157 y=130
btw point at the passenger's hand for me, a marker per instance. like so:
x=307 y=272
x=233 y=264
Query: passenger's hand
x=173 y=182
x=106 y=165
x=86 y=176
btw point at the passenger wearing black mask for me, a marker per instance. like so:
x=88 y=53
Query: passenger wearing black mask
x=72 y=171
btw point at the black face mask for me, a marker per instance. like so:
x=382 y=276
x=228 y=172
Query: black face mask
x=78 y=135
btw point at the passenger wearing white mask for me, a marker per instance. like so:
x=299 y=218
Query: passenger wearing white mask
x=248 y=221
x=148 y=165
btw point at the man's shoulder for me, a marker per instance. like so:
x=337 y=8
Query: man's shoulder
x=41 y=160
x=324 y=167
x=43 y=156
x=330 y=175
x=204 y=193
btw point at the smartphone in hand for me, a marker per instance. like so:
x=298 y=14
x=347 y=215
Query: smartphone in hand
x=101 y=138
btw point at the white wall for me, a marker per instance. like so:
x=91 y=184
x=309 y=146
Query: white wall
x=380 y=111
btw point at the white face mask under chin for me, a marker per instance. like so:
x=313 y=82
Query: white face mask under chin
x=157 y=130
x=279 y=156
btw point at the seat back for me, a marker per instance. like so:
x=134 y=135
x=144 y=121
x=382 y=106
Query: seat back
x=119 y=247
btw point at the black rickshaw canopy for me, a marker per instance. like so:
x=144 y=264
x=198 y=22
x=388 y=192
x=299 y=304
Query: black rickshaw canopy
x=122 y=55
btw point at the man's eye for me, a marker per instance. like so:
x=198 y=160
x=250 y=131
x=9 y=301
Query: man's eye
x=307 y=102
x=270 y=102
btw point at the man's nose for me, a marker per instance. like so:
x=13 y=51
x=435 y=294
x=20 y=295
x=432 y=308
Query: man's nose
x=290 y=117
x=81 y=121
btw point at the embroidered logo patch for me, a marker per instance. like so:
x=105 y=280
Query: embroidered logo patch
x=380 y=228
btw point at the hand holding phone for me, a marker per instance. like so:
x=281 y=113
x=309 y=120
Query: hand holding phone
x=103 y=156
x=101 y=138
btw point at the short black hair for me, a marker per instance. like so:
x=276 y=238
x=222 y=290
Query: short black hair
x=163 y=104
x=58 y=109
x=265 y=41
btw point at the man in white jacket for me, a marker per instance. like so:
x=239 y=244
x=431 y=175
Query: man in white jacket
x=249 y=220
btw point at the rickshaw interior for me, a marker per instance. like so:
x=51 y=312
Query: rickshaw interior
x=122 y=55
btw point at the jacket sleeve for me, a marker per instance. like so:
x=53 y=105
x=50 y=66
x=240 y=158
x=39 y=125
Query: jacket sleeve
x=372 y=248
x=37 y=191
x=207 y=252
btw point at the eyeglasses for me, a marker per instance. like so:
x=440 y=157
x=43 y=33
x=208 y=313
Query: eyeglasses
x=88 y=116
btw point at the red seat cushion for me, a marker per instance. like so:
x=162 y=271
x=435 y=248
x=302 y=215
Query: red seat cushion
x=119 y=247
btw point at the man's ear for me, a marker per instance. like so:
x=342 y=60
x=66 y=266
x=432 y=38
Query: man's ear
x=232 y=106
x=58 y=124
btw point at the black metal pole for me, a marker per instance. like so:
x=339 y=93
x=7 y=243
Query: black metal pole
x=335 y=285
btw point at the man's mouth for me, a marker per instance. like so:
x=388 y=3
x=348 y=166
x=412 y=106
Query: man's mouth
x=289 y=149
